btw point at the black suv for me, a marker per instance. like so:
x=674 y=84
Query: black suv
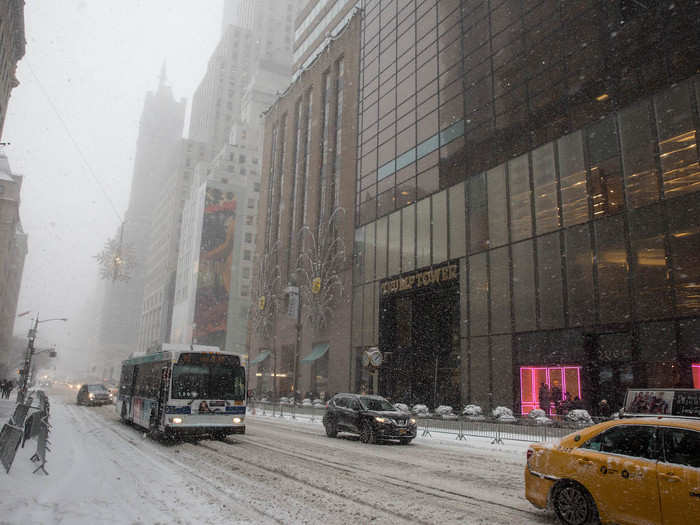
x=372 y=417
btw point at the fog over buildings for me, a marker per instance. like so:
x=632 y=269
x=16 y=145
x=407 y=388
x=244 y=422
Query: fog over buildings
x=82 y=86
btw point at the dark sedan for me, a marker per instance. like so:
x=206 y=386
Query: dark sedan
x=94 y=395
x=373 y=418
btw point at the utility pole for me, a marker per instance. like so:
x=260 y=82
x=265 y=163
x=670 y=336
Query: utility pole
x=24 y=377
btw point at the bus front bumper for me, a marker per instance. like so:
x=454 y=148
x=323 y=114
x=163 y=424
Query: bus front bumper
x=199 y=425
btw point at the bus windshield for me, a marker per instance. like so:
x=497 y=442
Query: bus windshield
x=208 y=381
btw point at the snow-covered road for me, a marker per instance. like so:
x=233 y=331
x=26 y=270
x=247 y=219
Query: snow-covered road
x=279 y=472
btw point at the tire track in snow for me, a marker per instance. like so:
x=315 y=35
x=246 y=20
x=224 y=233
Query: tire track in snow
x=203 y=483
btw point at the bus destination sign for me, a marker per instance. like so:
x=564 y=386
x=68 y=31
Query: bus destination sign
x=208 y=358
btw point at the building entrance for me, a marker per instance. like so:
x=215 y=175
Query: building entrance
x=419 y=338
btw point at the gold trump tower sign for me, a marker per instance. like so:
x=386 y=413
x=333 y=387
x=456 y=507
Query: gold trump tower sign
x=421 y=278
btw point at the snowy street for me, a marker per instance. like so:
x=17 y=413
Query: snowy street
x=280 y=471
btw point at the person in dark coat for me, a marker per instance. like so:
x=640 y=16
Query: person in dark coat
x=544 y=397
x=604 y=408
x=556 y=396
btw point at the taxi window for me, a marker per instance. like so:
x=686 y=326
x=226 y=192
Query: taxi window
x=682 y=446
x=626 y=440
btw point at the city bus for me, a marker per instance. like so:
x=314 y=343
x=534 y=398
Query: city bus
x=183 y=390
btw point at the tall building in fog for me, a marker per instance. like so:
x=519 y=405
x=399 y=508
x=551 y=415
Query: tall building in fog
x=11 y=50
x=250 y=65
x=160 y=131
x=161 y=257
x=13 y=250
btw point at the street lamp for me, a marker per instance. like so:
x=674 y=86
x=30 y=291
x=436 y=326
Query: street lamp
x=24 y=379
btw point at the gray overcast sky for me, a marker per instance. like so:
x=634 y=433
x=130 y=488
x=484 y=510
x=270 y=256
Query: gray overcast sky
x=96 y=59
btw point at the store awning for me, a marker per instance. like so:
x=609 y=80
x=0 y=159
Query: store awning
x=260 y=357
x=316 y=352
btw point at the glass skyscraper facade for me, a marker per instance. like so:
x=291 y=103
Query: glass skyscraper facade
x=527 y=205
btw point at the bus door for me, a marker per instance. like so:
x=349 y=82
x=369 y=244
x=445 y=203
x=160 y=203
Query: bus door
x=163 y=393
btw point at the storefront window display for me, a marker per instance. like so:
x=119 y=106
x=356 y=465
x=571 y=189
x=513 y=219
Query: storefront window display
x=548 y=387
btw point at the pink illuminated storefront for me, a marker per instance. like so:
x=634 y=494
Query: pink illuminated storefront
x=559 y=380
x=696 y=375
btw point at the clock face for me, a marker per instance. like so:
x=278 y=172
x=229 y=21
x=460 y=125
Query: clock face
x=376 y=358
x=365 y=359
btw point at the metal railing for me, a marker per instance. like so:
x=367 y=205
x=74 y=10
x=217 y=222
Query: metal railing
x=522 y=429
x=27 y=422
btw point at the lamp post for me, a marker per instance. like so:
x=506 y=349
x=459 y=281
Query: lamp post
x=24 y=378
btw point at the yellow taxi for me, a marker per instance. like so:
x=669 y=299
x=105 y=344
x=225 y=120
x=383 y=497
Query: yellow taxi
x=640 y=470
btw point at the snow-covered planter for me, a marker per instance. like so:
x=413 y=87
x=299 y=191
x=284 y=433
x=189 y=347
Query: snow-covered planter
x=285 y=401
x=473 y=413
x=579 y=416
x=472 y=410
x=536 y=412
x=306 y=402
x=445 y=412
x=421 y=410
x=401 y=407
x=504 y=414
x=318 y=403
x=543 y=420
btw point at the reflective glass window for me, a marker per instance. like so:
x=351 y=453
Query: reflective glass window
x=606 y=171
x=520 y=198
x=478 y=295
x=677 y=141
x=550 y=281
x=545 y=184
x=394 y=257
x=369 y=252
x=499 y=286
x=651 y=287
x=579 y=275
x=439 y=224
x=457 y=221
x=478 y=218
x=524 y=286
x=612 y=270
x=423 y=233
x=408 y=238
x=498 y=217
x=684 y=226
x=367 y=313
x=637 y=141
x=381 y=249
x=572 y=172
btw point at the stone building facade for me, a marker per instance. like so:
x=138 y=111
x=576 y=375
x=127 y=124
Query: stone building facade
x=306 y=218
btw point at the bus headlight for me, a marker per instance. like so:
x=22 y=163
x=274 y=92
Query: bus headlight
x=236 y=420
x=177 y=420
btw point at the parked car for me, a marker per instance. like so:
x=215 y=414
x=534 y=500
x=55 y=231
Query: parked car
x=94 y=395
x=373 y=418
x=626 y=471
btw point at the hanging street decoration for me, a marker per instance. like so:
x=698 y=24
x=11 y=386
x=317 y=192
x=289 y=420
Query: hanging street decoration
x=267 y=288
x=319 y=268
x=116 y=260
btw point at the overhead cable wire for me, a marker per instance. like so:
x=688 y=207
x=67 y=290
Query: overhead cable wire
x=75 y=143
